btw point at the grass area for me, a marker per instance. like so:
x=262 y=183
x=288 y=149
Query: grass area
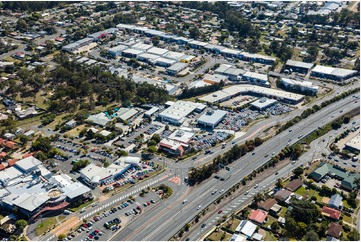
x=45 y=225
x=269 y=236
x=270 y=220
x=39 y=100
x=3 y=74
x=347 y=219
x=83 y=205
x=219 y=236
x=57 y=120
x=308 y=193
x=61 y=218
x=75 y=132
x=28 y=121
x=283 y=212
x=232 y=224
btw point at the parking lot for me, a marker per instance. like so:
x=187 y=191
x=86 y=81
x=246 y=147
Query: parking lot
x=277 y=109
x=238 y=119
x=105 y=223
x=207 y=140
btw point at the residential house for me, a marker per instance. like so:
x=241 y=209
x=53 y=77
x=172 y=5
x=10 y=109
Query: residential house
x=282 y=195
x=258 y=216
x=335 y=201
x=331 y=213
x=71 y=124
x=246 y=228
x=268 y=204
x=334 y=230
x=294 y=185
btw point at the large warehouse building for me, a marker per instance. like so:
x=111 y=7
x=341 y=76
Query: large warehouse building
x=177 y=112
x=233 y=91
x=337 y=74
x=212 y=118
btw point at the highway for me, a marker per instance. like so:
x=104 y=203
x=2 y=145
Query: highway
x=165 y=222
x=317 y=147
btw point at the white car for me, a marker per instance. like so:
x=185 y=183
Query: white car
x=185 y=200
x=199 y=207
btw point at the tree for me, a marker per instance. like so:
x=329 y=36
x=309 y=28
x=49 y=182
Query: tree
x=156 y=138
x=61 y=237
x=298 y=171
x=21 y=224
x=43 y=144
x=152 y=149
x=354 y=235
x=291 y=227
x=106 y=164
x=311 y=236
x=194 y=32
x=155 y=41
x=166 y=127
x=304 y=211
x=275 y=225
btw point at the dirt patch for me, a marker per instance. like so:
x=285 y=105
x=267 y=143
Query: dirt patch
x=68 y=225
x=341 y=143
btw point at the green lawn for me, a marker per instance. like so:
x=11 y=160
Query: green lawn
x=233 y=224
x=270 y=237
x=40 y=101
x=270 y=220
x=308 y=193
x=45 y=225
x=83 y=205
x=75 y=132
x=217 y=236
x=56 y=121
x=283 y=212
x=347 y=219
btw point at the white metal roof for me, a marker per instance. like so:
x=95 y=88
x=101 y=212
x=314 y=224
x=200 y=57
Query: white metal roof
x=246 y=227
x=181 y=136
x=173 y=55
x=212 y=117
x=299 y=64
x=28 y=163
x=30 y=202
x=75 y=189
x=238 y=89
x=157 y=51
x=263 y=102
x=255 y=75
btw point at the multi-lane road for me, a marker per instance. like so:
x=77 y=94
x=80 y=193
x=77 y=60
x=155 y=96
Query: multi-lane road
x=317 y=147
x=164 y=222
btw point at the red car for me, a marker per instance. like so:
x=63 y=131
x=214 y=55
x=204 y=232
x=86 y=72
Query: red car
x=97 y=231
x=220 y=211
x=148 y=203
x=85 y=225
x=90 y=236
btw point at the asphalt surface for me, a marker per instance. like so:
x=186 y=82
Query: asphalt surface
x=172 y=218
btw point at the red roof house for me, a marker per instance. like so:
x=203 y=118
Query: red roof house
x=2 y=167
x=258 y=216
x=2 y=155
x=12 y=162
x=331 y=213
